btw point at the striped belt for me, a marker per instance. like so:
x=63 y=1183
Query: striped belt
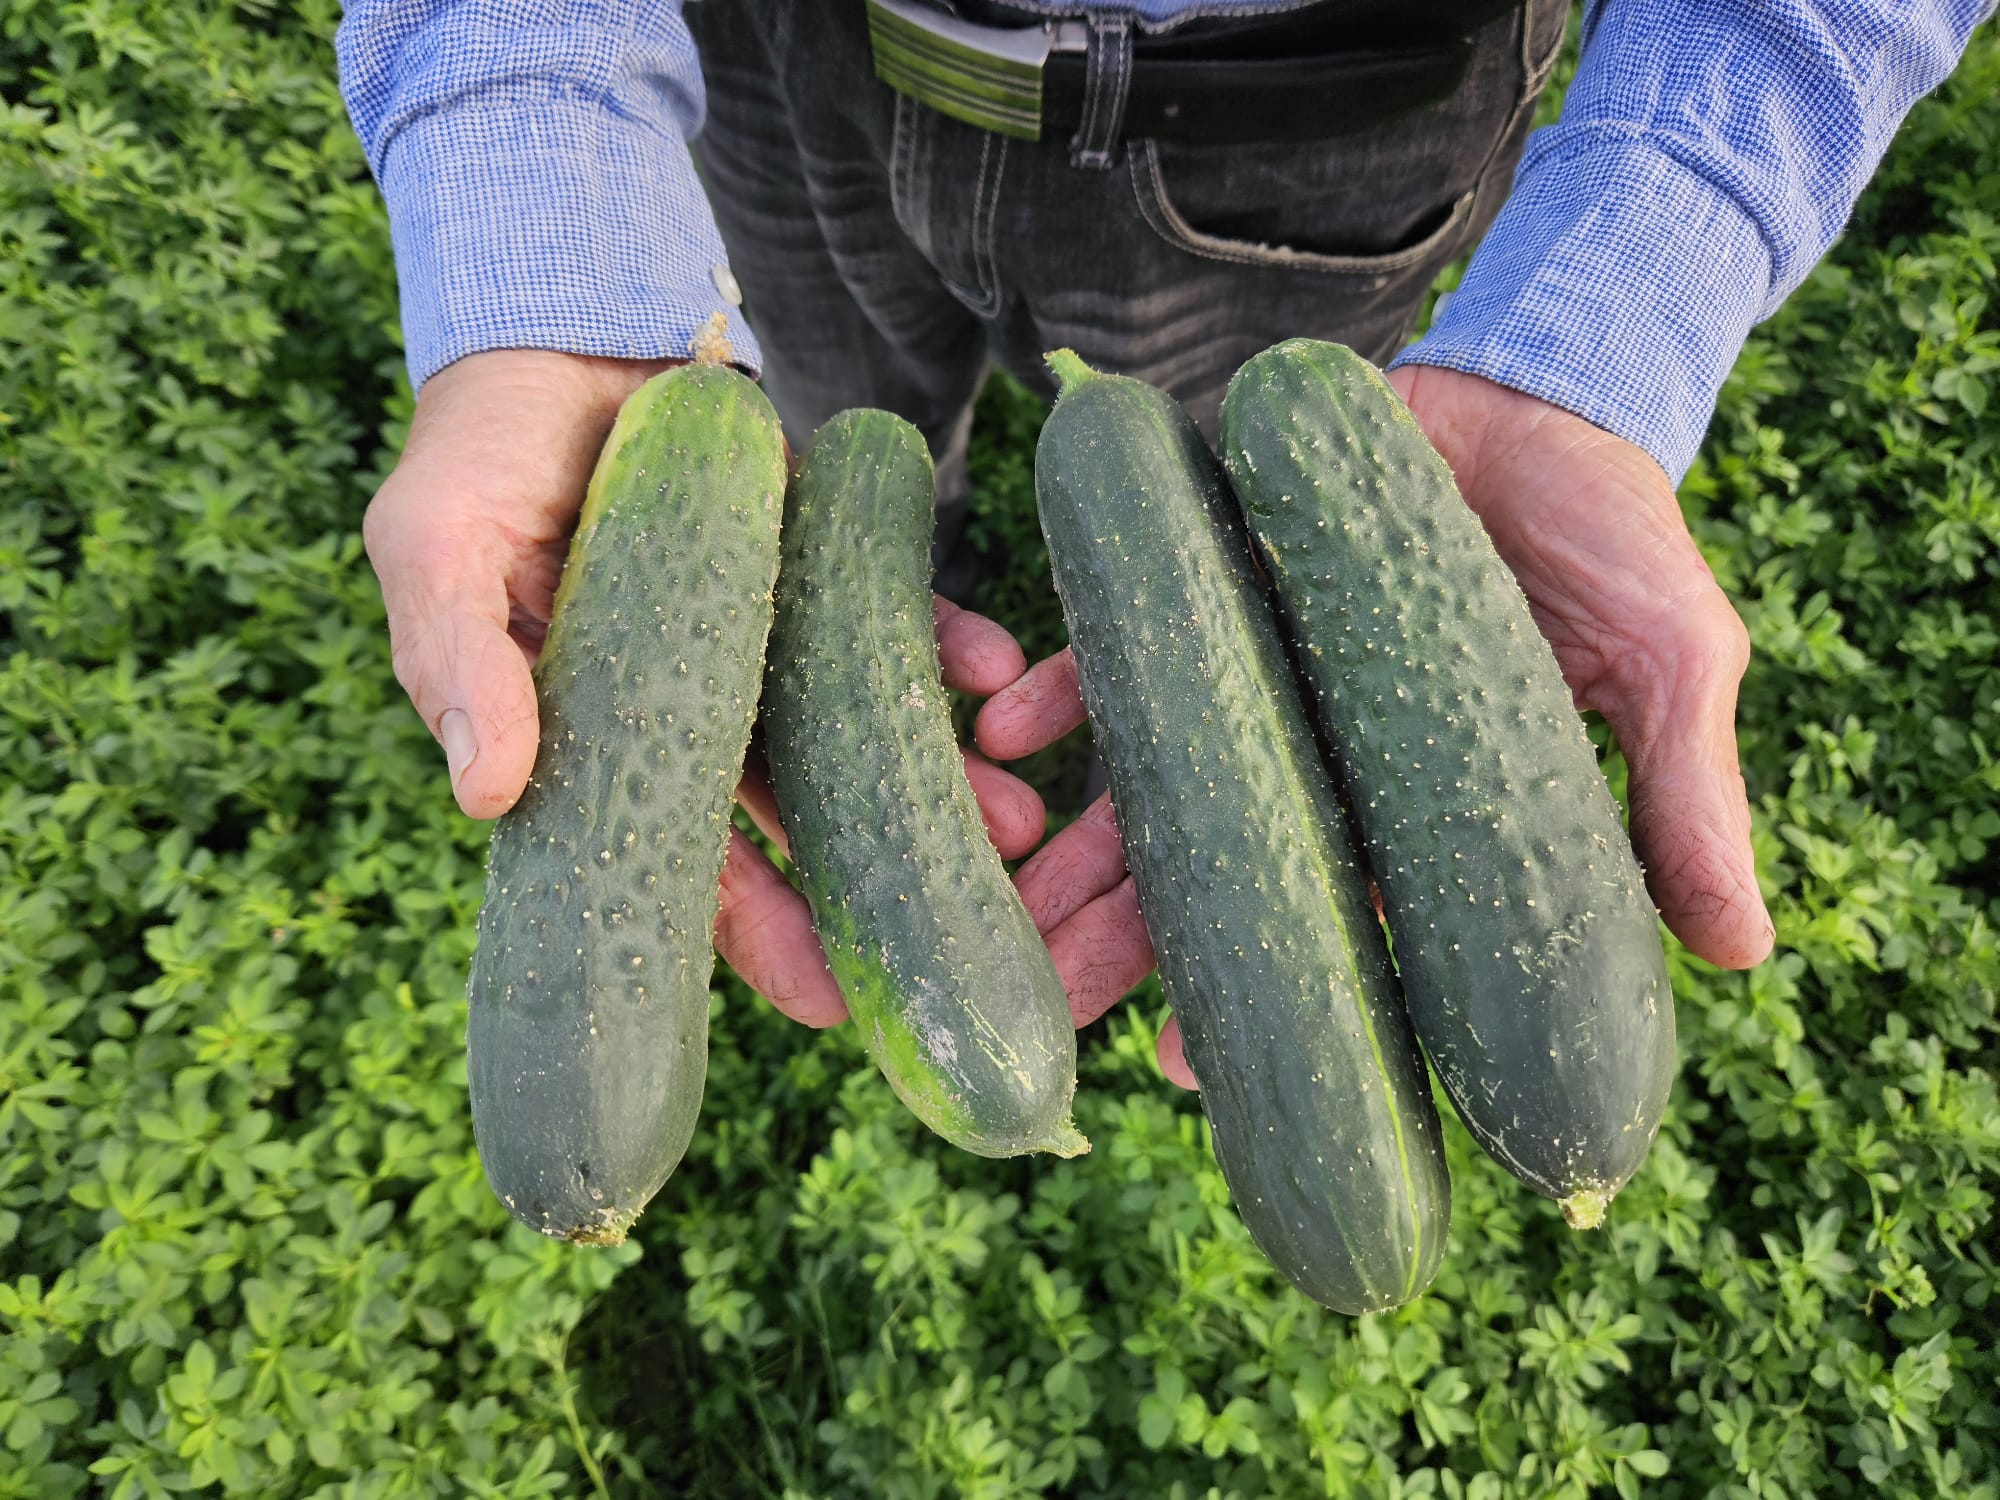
x=1317 y=71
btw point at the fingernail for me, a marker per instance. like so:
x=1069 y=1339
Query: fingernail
x=461 y=748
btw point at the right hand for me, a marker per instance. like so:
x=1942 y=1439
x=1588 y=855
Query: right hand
x=1589 y=525
x=468 y=536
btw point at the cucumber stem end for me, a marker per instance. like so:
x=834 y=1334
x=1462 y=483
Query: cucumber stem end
x=1070 y=370
x=607 y=1228
x=1068 y=1141
x=1585 y=1208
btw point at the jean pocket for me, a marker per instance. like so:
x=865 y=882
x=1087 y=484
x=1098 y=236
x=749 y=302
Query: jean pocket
x=1544 y=29
x=1298 y=244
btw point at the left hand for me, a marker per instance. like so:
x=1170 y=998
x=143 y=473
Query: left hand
x=1589 y=524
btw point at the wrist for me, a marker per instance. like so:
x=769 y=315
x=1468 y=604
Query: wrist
x=555 y=406
x=1475 y=420
x=1617 y=284
x=572 y=386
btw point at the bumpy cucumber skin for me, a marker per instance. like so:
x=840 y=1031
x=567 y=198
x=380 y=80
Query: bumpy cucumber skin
x=587 y=1032
x=1269 y=950
x=956 y=996
x=1529 y=950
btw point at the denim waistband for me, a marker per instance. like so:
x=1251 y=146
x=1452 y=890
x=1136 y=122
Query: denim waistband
x=1306 y=71
x=1363 y=23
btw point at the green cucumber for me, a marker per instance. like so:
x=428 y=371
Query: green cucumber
x=587 y=1029
x=1259 y=914
x=1529 y=951
x=956 y=996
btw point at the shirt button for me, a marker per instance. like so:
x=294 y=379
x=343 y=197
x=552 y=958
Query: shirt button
x=725 y=283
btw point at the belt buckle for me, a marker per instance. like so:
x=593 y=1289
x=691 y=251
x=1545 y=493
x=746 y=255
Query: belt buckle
x=989 y=76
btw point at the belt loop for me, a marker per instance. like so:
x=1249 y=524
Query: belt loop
x=1107 y=81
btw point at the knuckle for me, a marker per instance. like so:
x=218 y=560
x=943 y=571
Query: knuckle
x=411 y=665
x=385 y=523
x=1725 y=640
x=377 y=532
x=1709 y=636
x=1733 y=638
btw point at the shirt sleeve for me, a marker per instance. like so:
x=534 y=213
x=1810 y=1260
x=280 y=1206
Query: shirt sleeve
x=533 y=156
x=1708 y=153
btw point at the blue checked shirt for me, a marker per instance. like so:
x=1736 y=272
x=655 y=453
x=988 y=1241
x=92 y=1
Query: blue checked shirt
x=533 y=157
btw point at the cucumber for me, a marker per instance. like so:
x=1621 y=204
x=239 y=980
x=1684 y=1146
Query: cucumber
x=1529 y=951
x=1259 y=914
x=587 y=1027
x=956 y=996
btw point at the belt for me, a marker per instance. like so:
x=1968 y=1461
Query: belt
x=1317 y=71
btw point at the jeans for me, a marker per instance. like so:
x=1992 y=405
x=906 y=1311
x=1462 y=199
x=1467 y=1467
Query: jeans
x=890 y=256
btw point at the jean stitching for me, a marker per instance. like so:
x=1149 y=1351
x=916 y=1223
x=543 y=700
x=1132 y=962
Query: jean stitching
x=985 y=214
x=1092 y=96
x=1524 y=103
x=1093 y=86
x=1524 y=98
x=1535 y=72
x=1522 y=95
x=902 y=153
x=1124 y=83
x=1107 y=85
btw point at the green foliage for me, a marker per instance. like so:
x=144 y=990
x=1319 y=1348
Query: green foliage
x=244 y=1244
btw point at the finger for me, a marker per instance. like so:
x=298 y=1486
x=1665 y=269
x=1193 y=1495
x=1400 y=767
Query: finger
x=753 y=795
x=1173 y=1056
x=765 y=931
x=493 y=693
x=978 y=656
x=1074 y=868
x=1011 y=809
x=1691 y=828
x=451 y=650
x=1101 y=952
x=1689 y=809
x=1040 y=707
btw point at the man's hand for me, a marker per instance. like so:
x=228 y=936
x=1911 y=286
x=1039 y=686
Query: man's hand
x=1589 y=525
x=468 y=536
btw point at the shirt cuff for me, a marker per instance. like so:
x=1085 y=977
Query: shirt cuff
x=1615 y=283
x=553 y=223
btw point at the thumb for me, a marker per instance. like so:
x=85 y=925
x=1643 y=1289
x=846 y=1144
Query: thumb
x=468 y=536
x=1690 y=811
x=466 y=674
